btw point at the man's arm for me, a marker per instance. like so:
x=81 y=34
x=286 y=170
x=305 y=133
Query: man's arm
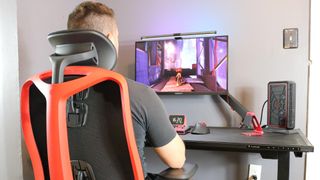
x=173 y=153
x=150 y=113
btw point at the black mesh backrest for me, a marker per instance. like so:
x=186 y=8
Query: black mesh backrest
x=101 y=142
x=38 y=106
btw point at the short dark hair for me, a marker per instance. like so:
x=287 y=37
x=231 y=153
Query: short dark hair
x=92 y=15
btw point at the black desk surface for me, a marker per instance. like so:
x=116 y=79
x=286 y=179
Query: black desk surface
x=231 y=139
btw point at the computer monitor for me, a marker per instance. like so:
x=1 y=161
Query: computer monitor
x=183 y=66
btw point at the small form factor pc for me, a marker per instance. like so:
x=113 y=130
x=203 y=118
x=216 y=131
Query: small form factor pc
x=179 y=123
x=281 y=104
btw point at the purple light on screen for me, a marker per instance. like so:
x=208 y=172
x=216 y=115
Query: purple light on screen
x=221 y=70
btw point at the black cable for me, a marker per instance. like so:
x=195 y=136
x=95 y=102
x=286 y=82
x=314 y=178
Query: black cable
x=262 y=111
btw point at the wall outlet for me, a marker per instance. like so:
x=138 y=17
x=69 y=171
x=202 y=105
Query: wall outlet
x=254 y=172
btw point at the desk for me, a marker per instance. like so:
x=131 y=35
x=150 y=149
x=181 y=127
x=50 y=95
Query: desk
x=270 y=145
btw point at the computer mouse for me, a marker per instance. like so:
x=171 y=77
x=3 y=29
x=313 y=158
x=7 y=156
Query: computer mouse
x=200 y=128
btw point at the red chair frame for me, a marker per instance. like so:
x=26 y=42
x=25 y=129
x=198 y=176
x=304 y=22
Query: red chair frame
x=57 y=137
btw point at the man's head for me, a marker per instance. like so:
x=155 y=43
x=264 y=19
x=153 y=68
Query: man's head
x=95 y=16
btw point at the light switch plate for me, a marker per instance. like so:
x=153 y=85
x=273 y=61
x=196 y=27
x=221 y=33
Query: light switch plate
x=290 y=38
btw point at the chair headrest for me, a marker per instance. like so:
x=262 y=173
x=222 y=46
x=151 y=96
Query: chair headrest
x=107 y=55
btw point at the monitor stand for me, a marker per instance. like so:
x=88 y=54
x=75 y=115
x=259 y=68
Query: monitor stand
x=246 y=115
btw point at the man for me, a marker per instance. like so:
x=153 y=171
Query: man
x=150 y=119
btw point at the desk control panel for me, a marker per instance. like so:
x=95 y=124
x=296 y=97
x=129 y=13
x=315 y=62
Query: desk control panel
x=273 y=148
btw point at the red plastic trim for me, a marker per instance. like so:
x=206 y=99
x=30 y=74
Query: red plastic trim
x=57 y=140
x=28 y=133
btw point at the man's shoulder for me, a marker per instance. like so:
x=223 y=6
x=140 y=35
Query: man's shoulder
x=139 y=92
x=138 y=88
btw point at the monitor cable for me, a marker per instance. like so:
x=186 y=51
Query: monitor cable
x=262 y=111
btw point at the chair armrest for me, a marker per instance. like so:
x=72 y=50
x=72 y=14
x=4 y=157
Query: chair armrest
x=186 y=172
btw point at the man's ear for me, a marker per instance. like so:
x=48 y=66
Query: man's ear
x=113 y=40
x=109 y=35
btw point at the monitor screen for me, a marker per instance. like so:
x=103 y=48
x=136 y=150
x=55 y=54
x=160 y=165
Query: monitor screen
x=183 y=66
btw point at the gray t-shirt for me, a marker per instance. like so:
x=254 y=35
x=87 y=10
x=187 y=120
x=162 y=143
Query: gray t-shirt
x=150 y=119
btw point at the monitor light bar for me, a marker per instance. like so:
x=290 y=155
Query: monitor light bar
x=179 y=35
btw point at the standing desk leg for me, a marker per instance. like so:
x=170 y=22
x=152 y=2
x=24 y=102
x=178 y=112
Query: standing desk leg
x=283 y=165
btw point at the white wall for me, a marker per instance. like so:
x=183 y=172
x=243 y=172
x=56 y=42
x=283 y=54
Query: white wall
x=36 y=19
x=10 y=136
x=255 y=52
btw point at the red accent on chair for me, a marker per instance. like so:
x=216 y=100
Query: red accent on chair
x=28 y=133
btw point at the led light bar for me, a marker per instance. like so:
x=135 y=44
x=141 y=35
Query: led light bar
x=179 y=35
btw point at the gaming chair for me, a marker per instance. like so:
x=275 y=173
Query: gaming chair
x=76 y=120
